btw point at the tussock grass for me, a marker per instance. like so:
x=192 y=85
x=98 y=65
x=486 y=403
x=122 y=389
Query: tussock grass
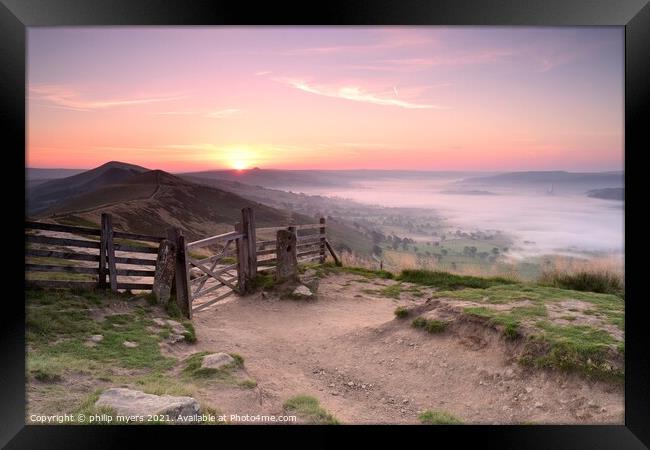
x=603 y=282
x=430 y=417
x=430 y=325
x=445 y=280
x=401 y=312
x=368 y=273
x=308 y=408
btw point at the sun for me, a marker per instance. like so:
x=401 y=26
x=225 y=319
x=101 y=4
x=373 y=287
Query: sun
x=239 y=164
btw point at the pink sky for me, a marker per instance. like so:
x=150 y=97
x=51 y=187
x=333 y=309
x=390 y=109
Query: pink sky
x=424 y=98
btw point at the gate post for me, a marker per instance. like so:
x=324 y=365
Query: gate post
x=322 y=240
x=248 y=227
x=242 y=260
x=107 y=238
x=287 y=262
x=183 y=292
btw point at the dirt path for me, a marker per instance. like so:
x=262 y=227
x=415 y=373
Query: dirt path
x=347 y=349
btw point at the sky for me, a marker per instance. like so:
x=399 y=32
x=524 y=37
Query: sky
x=423 y=98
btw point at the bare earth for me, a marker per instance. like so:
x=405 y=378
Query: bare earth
x=365 y=366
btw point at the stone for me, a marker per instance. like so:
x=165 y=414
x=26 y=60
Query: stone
x=96 y=338
x=158 y=321
x=309 y=273
x=287 y=262
x=539 y=405
x=216 y=360
x=129 y=402
x=173 y=323
x=350 y=383
x=302 y=291
x=165 y=270
x=529 y=390
x=175 y=338
x=130 y=344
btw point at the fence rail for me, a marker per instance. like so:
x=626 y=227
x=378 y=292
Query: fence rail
x=101 y=252
x=238 y=257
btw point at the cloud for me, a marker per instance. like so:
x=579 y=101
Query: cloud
x=69 y=98
x=263 y=72
x=357 y=94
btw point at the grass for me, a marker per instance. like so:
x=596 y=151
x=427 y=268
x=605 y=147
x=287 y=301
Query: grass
x=264 y=281
x=430 y=417
x=577 y=348
x=368 y=273
x=603 y=282
x=76 y=221
x=308 y=408
x=393 y=291
x=401 y=312
x=430 y=325
x=445 y=280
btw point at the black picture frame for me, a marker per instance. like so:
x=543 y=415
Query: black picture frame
x=634 y=15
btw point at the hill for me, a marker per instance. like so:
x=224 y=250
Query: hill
x=547 y=177
x=607 y=193
x=47 y=195
x=150 y=202
x=153 y=201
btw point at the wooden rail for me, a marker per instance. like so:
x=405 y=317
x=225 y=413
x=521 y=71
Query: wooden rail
x=101 y=252
x=194 y=276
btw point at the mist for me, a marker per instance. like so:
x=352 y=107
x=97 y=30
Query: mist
x=540 y=219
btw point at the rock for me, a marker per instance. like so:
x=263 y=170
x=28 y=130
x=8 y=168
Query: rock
x=529 y=390
x=309 y=273
x=405 y=401
x=174 y=338
x=129 y=402
x=96 y=338
x=302 y=291
x=130 y=344
x=539 y=405
x=350 y=383
x=265 y=295
x=160 y=322
x=363 y=386
x=216 y=360
x=173 y=323
x=331 y=385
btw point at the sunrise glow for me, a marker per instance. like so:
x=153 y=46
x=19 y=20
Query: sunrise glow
x=424 y=98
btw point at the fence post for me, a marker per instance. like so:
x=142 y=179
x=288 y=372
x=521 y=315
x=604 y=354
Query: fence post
x=183 y=292
x=248 y=227
x=102 y=254
x=107 y=233
x=242 y=260
x=322 y=240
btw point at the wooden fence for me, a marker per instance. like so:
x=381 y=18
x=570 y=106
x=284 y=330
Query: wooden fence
x=104 y=252
x=98 y=252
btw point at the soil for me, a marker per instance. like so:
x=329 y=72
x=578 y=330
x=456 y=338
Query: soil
x=346 y=348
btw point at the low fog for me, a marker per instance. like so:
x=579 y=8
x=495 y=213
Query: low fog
x=542 y=218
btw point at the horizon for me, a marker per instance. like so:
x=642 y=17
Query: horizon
x=426 y=99
x=226 y=169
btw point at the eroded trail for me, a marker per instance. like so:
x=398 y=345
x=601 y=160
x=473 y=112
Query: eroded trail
x=347 y=349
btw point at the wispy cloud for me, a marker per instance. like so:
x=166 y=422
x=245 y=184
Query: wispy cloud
x=263 y=72
x=68 y=98
x=357 y=94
